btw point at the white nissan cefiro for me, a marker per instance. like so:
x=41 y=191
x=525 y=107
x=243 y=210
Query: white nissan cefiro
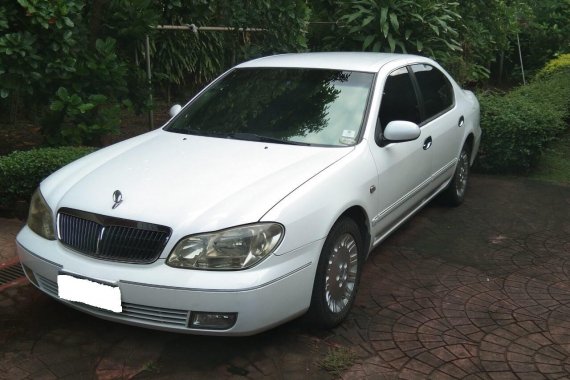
x=260 y=200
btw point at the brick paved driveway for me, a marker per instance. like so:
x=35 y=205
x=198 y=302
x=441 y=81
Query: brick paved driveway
x=480 y=291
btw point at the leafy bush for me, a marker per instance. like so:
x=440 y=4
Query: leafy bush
x=90 y=108
x=483 y=39
x=561 y=63
x=37 y=43
x=546 y=33
x=415 y=26
x=182 y=57
x=68 y=75
x=72 y=65
x=76 y=120
x=518 y=126
x=21 y=172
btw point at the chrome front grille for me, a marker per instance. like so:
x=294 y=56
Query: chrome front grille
x=111 y=238
x=79 y=234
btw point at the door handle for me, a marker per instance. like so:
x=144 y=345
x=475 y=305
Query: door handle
x=461 y=122
x=427 y=143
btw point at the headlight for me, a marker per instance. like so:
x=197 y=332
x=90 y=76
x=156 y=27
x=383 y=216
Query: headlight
x=39 y=218
x=234 y=248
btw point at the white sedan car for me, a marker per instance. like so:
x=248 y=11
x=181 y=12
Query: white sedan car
x=260 y=200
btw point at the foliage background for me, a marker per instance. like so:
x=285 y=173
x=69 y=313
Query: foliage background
x=517 y=126
x=74 y=68
x=21 y=172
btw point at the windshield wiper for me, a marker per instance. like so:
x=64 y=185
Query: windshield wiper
x=241 y=136
x=256 y=137
x=197 y=132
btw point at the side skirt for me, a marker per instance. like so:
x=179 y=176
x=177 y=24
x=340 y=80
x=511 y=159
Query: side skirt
x=382 y=236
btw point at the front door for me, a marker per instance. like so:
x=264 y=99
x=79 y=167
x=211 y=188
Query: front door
x=404 y=168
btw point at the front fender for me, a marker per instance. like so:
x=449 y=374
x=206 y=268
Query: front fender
x=309 y=212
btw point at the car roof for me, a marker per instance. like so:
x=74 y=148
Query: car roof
x=353 y=61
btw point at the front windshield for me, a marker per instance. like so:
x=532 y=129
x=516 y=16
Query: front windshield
x=288 y=105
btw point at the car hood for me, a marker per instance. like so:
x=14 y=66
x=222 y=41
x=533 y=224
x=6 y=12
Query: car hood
x=189 y=183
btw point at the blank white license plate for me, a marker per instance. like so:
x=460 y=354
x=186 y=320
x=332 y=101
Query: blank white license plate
x=89 y=292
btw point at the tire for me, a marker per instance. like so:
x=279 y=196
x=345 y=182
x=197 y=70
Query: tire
x=338 y=275
x=454 y=194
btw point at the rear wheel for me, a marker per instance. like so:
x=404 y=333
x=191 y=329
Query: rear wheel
x=338 y=275
x=455 y=192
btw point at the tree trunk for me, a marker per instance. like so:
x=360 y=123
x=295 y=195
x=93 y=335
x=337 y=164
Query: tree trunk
x=501 y=64
x=13 y=107
x=95 y=20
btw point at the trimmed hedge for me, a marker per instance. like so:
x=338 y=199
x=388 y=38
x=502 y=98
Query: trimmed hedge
x=21 y=172
x=517 y=126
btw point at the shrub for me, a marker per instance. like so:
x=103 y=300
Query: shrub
x=518 y=126
x=88 y=108
x=21 y=172
x=561 y=63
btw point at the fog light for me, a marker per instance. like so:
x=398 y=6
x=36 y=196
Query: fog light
x=212 y=321
x=30 y=274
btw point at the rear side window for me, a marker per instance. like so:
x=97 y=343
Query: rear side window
x=399 y=101
x=437 y=92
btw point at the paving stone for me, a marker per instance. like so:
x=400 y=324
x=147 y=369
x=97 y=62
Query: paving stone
x=459 y=351
x=453 y=370
x=531 y=376
x=430 y=359
x=389 y=355
x=410 y=374
x=44 y=375
x=488 y=346
x=493 y=366
x=14 y=373
x=9 y=228
x=522 y=367
x=549 y=368
x=492 y=338
x=504 y=375
x=481 y=291
x=514 y=357
x=383 y=345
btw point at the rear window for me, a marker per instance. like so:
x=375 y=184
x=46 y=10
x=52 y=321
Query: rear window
x=436 y=90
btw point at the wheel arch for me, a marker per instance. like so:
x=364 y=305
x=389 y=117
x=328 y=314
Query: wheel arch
x=360 y=217
x=470 y=144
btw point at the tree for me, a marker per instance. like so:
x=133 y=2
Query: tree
x=181 y=57
x=37 y=40
x=408 y=26
x=488 y=31
x=545 y=33
x=77 y=65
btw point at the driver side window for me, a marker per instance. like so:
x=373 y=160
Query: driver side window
x=399 y=101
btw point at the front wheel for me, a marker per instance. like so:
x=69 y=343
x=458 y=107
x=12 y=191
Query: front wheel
x=455 y=192
x=338 y=275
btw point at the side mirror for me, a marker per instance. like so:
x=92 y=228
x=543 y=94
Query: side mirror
x=400 y=131
x=174 y=110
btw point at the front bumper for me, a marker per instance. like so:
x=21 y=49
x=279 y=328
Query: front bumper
x=160 y=297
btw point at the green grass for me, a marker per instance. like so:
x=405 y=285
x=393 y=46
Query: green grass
x=337 y=360
x=554 y=164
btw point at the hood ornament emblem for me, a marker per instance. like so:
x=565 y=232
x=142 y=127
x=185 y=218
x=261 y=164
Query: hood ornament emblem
x=117 y=198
